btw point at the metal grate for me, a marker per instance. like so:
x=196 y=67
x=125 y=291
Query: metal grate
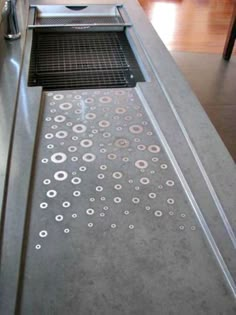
x=79 y=20
x=82 y=60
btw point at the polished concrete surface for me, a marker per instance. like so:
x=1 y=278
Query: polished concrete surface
x=213 y=81
x=104 y=269
x=109 y=213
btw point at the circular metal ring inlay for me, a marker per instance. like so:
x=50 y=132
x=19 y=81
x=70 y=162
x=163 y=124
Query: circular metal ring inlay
x=76 y=180
x=152 y=195
x=43 y=205
x=105 y=99
x=117 y=200
x=112 y=156
x=43 y=233
x=118 y=187
x=59 y=217
x=136 y=129
x=61 y=134
x=135 y=200
x=144 y=180
x=103 y=167
x=104 y=123
x=89 y=100
x=65 y=106
x=59 y=118
x=99 y=188
x=79 y=128
x=141 y=164
x=122 y=143
x=49 y=136
x=89 y=157
x=170 y=201
x=90 y=116
x=117 y=175
x=58 y=97
x=100 y=176
x=153 y=148
x=72 y=148
x=120 y=110
x=47 y=181
x=58 y=157
x=164 y=166
x=90 y=211
x=76 y=193
x=158 y=213
x=170 y=183
x=66 y=204
x=86 y=143
x=141 y=147
x=60 y=175
x=51 y=193
x=44 y=160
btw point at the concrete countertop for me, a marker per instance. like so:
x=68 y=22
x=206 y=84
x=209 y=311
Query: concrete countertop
x=201 y=161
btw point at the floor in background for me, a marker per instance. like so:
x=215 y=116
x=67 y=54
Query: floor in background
x=191 y=25
x=188 y=27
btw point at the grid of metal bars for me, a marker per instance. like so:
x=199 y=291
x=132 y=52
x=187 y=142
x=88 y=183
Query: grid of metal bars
x=82 y=60
x=79 y=20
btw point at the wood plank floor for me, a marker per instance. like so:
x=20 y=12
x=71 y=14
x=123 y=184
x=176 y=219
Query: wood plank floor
x=191 y=25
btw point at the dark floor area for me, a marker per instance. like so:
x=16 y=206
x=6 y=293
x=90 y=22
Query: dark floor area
x=214 y=82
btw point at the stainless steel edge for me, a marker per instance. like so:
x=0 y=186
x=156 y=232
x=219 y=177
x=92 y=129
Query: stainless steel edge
x=28 y=108
x=203 y=171
x=216 y=251
x=34 y=3
x=80 y=25
x=196 y=157
x=11 y=56
x=124 y=15
x=201 y=167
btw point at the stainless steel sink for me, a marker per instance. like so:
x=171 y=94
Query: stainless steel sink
x=81 y=47
x=69 y=59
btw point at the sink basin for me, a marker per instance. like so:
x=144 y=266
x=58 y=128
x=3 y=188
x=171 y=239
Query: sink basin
x=81 y=47
x=75 y=59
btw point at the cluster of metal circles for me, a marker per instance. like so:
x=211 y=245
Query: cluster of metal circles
x=100 y=147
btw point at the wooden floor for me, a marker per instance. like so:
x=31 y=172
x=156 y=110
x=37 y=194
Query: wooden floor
x=191 y=25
